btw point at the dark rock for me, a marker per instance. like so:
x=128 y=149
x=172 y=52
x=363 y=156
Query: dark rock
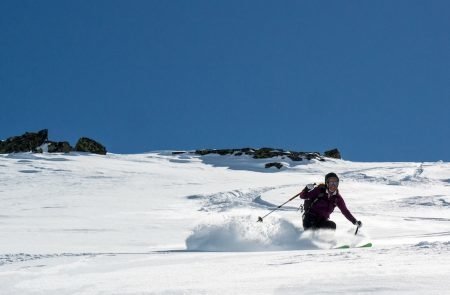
x=248 y=151
x=265 y=153
x=295 y=156
x=221 y=152
x=59 y=147
x=310 y=156
x=334 y=153
x=203 y=152
x=224 y=152
x=88 y=145
x=274 y=164
x=178 y=153
x=25 y=143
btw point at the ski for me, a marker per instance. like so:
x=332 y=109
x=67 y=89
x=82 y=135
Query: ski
x=367 y=245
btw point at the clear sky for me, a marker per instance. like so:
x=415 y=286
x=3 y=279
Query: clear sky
x=371 y=78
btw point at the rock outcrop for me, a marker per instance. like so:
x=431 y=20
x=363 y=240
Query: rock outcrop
x=38 y=142
x=28 y=142
x=334 y=153
x=88 y=145
x=263 y=153
x=268 y=153
x=59 y=147
x=274 y=164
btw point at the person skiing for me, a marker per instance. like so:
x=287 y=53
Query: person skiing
x=320 y=202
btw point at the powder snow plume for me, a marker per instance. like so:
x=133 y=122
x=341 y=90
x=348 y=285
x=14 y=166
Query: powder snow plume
x=243 y=233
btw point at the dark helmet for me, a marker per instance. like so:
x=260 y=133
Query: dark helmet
x=329 y=175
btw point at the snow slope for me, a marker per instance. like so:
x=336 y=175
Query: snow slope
x=159 y=223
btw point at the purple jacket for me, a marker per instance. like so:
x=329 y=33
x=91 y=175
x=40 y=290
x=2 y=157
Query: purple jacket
x=325 y=205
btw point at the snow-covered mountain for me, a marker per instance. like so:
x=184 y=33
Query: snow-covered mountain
x=158 y=223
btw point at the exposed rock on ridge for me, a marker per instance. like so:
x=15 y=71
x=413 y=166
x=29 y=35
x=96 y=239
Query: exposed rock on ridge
x=28 y=142
x=37 y=142
x=85 y=144
x=266 y=153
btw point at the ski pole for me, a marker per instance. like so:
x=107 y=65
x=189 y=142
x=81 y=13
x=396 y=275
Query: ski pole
x=260 y=219
x=357 y=227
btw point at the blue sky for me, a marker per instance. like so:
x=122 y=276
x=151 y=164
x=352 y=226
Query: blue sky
x=371 y=78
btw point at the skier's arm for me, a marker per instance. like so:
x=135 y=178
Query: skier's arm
x=308 y=194
x=341 y=205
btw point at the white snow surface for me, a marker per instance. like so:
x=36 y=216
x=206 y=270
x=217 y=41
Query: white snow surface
x=158 y=223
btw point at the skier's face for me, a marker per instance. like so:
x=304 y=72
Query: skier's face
x=333 y=184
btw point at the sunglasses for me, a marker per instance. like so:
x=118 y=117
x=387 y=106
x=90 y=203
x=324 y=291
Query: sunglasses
x=335 y=183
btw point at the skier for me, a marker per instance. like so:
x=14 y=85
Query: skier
x=320 y=202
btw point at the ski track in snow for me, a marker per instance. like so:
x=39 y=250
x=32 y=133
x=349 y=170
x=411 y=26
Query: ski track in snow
x=179 y=223
x=210 y=235
x=393 y=176
x=441 y=201
x=247 y=198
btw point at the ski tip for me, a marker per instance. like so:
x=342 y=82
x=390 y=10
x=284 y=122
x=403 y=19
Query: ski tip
x=365 y=245
x=343 y=247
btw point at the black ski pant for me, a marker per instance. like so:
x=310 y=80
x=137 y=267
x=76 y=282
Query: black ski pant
x=312 y=222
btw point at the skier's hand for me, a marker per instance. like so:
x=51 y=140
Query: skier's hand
x=310 y=186
x=358 y=223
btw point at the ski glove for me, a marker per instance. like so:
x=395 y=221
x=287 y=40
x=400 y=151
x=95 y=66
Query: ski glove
x=310 y=186
x=358 y=223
